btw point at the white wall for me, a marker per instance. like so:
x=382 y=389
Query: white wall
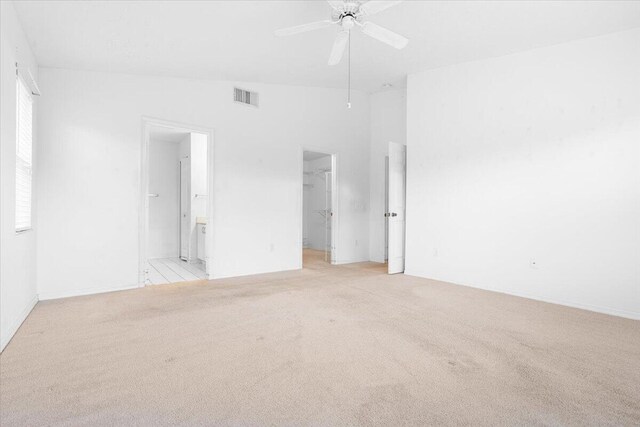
x=164 y=210
x=531 y=157
x=316 y=200
x=17 y=251
x=388 y=123
x=90 y=152
x=198 y=158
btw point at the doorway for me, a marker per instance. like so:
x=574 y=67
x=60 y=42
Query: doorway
x=176 y=207
x=318 y=208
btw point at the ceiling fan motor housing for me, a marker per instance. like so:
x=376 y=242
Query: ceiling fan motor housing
x=348 y=15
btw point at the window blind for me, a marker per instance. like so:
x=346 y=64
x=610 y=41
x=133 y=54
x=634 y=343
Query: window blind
x=24 y=156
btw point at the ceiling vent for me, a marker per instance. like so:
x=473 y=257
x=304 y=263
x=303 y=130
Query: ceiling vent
x=245 y=97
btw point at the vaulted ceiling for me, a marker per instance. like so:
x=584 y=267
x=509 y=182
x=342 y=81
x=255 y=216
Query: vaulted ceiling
x=234 y=40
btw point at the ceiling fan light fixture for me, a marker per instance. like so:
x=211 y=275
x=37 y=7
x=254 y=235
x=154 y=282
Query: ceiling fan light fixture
x=348 y=22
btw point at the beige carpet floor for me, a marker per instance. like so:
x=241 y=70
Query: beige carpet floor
x=328 y=345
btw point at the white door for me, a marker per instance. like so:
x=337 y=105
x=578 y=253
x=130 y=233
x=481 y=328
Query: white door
x=396 y=213
x=185 y=208
x=386 y=208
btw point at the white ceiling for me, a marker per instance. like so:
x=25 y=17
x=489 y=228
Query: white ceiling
x=312 y=155
x=166 y=134
x=234 y=40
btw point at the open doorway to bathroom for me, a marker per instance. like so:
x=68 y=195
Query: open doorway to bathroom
x=318 y=208
x=176 y=172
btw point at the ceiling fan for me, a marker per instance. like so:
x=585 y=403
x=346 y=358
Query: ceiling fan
x=348 y=14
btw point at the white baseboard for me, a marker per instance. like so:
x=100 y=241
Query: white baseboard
x=44 y=296
x=7 y=335
x=351 y=261
x=595 y=308
x=255 y=273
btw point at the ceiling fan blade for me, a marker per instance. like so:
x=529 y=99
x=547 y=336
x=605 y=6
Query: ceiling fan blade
x=338 y=47
x=384 y=35
x=374 y=6
x=336 y=4
x=304 y=28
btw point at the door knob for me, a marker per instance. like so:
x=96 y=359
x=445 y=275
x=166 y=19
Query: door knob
x=394 y=214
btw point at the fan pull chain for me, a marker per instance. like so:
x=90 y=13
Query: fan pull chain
x=349 y=77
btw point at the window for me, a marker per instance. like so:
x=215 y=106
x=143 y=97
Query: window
x=24 y=157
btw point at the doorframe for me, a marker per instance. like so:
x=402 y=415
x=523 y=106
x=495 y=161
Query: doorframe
x=335 y=207
x=143 y=191
x=183 y=161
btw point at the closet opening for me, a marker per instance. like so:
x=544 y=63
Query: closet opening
x=318 y=209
